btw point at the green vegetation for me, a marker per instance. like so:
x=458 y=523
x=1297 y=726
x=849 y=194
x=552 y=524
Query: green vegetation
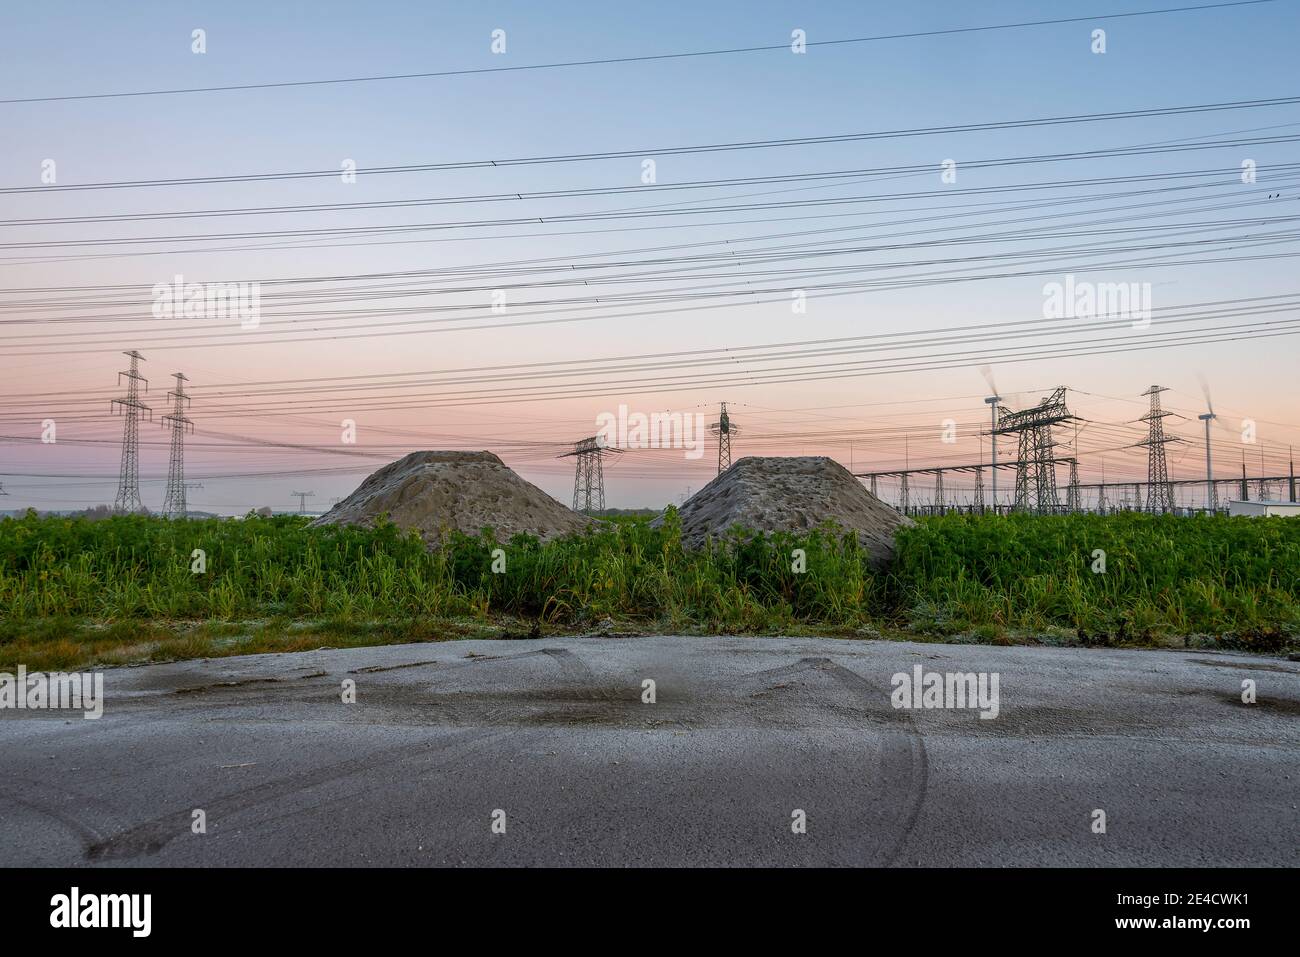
x=75 y=592
x=1234 y=578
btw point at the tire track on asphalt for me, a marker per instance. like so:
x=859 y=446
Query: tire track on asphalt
x=83 y=832
x=152 y=836
x=917 y=762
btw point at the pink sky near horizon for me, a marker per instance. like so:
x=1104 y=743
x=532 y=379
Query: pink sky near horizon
x=68 y=373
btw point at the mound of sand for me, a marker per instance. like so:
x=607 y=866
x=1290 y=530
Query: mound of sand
x=794 y=494
x=435 y=492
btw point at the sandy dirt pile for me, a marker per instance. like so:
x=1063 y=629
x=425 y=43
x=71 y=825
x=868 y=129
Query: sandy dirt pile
x=790 y=494
x=435 y=492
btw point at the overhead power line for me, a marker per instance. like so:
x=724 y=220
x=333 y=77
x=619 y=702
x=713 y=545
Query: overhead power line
x=645 y=58
x=828 y=176
x=660 y=151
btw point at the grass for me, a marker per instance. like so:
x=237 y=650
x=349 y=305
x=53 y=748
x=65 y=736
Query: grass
x=75 y=593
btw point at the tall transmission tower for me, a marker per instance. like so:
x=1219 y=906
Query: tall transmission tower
x=1036 y=462
x=724 y=429
x=978 y=504
x=1160 y=494
x=302 y=500
x=128 y=482
x=1073 y=500
x=174 y=502
x=589 y=474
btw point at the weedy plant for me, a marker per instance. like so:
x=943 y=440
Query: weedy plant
x=132 y=580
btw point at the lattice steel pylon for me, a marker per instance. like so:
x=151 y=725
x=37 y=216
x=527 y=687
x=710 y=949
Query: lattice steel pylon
x=1073 y=499
x=724 y=429
x=1036 y=459
x=1160 y=494
x=174 y=501
x=128 y=482
x=589 y=474
x=978 y=504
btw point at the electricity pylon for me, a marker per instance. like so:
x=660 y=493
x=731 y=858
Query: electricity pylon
x=1160 y=494
x=1073 y=498
x=1036 y=462
x=589 y=476
x=302 y=500
x=174 y=502
x=128 y=482
x=724 y=429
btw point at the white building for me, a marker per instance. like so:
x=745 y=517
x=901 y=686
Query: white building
x=1281 y=509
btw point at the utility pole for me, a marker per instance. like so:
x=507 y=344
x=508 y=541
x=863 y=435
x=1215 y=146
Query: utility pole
x=724 y=429
x=174 y=501
x=128 y=482
x=1160 y=494
x=907 y=464
x=302 y=500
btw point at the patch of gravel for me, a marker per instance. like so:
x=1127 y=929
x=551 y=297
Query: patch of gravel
x=790 y=494
x=436 y=492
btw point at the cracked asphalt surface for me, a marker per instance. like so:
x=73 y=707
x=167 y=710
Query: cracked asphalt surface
x=744 y=731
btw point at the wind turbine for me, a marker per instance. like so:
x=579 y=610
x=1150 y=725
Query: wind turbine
x=1211 y=500
x=992 y=402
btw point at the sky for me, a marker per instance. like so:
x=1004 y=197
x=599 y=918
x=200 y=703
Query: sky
x=480 y=315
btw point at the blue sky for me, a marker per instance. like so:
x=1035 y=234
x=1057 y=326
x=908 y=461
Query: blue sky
x=57 y=49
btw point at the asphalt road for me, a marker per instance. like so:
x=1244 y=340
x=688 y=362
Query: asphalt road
x=552 y=738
